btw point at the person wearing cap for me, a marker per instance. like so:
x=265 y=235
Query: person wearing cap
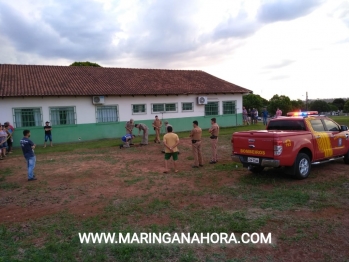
x=48 y=134
x=214 y=131
x=195 y=136
x=129 y=127
x=157 y=126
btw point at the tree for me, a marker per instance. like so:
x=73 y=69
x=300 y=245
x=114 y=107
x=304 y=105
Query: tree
x=282 y=102
x=297 y=105
x=346 y=107
x=87 y=63
x=254 y=101
x=320 y=106
x=333 y=107
x=339 y=102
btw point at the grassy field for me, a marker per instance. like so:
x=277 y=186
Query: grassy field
x=96 y=187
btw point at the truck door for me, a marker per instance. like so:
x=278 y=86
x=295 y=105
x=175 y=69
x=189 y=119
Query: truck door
x=322 y=143
x=336 y=136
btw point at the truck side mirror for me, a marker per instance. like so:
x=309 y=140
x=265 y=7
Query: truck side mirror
x=344 y=128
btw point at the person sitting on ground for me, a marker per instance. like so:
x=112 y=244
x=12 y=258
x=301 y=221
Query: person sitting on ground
x=126 y=139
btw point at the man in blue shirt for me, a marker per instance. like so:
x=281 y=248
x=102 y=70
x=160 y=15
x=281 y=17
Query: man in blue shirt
x=265 y=116
x=28 y=152
x=126 y=139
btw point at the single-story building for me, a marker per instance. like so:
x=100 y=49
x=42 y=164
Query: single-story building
x=89 y=103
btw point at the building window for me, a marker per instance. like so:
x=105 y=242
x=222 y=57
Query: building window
x=162 y=108
x=228 y=107
x=62 y=116
x=187 y=107
x=24 y=117
x=171 y=107
x=211 y=109
x=139 y=109
x=106 y=114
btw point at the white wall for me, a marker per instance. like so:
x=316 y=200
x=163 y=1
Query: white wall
x=86 y=112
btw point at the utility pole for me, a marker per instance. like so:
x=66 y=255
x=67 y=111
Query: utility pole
x=306 y=101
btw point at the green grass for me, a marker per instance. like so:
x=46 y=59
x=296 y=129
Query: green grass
x=8 y=185
x=97 y=145
x=217 y=198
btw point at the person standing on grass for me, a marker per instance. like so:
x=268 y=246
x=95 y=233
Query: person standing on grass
x=278 y=113
x=253 y=112
x=195 y=136
x=3 y=143
x=11 y=130
x=157 y=127
x=129 y=127
x=144 y=128
x=166 y=125
x=214 y=131
x=245 y=116
x=265 y=116
x=48 y=134
x=9 y=138
x=171 y=141
x=28 y=151
x=249 y=116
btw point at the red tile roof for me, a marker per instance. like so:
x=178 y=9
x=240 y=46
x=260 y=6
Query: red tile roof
x=36 y=80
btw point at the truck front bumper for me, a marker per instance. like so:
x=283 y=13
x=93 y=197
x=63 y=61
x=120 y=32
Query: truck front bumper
x=263 y=161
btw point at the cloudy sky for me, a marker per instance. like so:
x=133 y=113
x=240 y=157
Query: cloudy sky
x=285 y=47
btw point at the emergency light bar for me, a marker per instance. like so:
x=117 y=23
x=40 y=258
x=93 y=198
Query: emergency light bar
x=304 y=114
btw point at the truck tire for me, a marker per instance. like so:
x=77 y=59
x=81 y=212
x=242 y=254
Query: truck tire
x=256 y=169
x=346 y=158
x=302 y=166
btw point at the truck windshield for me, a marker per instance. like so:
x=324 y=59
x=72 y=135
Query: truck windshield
x=286 y=125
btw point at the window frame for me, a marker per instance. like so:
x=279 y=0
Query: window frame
x=338 y=127
x=192 y=106
x=21 y=108
x=59 y=107
x=139 y=113
x=164 y=106
x=216 y=102
x=313 y=120
x=105 y=106
x=234 y=109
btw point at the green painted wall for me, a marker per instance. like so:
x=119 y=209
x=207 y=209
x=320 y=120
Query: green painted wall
x=72 y=133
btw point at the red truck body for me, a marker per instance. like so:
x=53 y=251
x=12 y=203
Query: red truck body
x=295 y=142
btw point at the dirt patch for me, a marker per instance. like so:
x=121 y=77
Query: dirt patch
x=86 y=182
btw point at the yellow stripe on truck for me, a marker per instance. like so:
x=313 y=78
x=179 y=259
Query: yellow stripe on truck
x=323 y=142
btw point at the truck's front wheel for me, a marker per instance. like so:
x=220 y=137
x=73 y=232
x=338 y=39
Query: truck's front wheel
x=302 y=166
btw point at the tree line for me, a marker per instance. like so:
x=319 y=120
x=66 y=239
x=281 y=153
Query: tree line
x=287 y=105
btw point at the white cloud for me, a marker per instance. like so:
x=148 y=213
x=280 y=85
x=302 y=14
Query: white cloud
x=286 y=46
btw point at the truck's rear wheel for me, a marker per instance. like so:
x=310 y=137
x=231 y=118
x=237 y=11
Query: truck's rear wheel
x=256 y=169
x=302 y=166
x=346 y=158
